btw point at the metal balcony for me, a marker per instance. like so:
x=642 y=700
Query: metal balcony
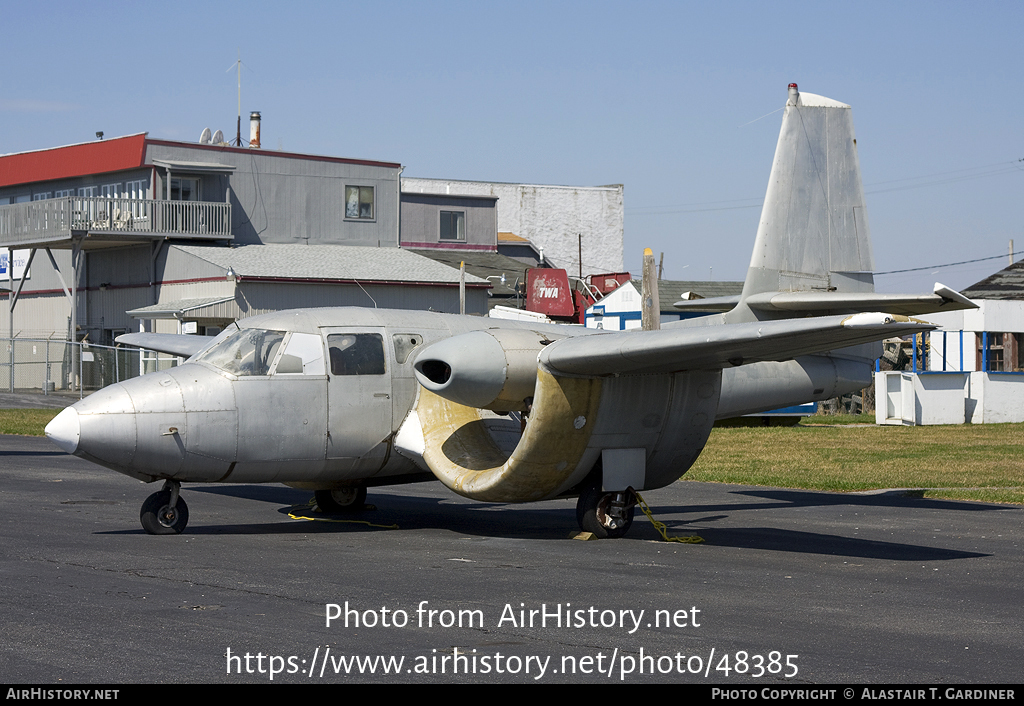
x=104 y=220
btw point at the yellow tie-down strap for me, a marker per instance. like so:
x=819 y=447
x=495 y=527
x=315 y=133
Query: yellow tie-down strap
x=460 y=451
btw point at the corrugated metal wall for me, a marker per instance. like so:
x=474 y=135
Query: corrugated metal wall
x=280 y=199
x=253 y=298
x=421 y=220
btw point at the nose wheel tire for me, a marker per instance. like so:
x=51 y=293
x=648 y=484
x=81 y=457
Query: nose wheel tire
x=333 y=502
x=603 y=514
x=159 y=516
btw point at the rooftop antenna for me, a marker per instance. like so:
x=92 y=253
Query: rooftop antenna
x=238 y=67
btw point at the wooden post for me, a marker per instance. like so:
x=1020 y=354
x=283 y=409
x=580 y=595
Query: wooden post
x=650 y=305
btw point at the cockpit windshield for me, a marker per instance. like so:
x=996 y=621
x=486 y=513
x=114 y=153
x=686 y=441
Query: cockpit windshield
x=249 y=351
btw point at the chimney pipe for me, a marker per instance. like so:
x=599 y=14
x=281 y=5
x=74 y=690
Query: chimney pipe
x=254 y=130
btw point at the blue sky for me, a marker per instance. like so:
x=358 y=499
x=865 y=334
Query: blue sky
x=663 y=97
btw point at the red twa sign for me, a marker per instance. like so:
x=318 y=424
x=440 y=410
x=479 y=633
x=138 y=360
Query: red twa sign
x=547 y=292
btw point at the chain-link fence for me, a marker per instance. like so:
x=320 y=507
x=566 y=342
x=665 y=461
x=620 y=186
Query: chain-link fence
x=51 y=365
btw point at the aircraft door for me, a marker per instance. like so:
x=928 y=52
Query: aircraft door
x=280 y=394
x=359 y=399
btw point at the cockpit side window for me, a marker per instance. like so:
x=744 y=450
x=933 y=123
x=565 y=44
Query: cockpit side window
x=302 y=355
x=249 y=351
x=356 y=353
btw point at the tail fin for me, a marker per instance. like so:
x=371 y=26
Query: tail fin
x=813 y=234
x=812 y=255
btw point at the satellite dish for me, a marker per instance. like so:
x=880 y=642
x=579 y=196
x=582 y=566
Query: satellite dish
x=204 y=139
x=218 y=137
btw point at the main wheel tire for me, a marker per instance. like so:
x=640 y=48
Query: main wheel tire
x=592 y=514
x=333 y=502
x=158 y=517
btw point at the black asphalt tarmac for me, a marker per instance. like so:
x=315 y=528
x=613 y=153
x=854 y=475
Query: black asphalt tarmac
x=789 y=587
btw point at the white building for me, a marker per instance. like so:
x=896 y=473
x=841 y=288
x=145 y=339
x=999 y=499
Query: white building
x=553 y=218
x=971 y=370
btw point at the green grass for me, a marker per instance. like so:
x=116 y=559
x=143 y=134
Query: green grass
x=813 y=420
x=980 y=462
x=966 y=462
x=828 y=419
x=26 y=422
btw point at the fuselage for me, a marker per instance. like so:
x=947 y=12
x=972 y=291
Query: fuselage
x=316 y=397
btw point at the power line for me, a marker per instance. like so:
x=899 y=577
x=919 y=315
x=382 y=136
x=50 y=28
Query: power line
x=951 y=264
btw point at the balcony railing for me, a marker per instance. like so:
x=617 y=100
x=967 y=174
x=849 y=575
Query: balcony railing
x=52 y=220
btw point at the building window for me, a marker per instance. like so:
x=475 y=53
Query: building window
x=41 y=197
x=184 y=189
x=135 y=189
x=64 y=193
x=359 y=202
x=453 y=225
x=1000 y=352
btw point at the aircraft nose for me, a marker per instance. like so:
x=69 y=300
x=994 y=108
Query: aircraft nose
x=105 y=427
x=65 y=430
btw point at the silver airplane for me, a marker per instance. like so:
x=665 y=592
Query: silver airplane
x=337 y=400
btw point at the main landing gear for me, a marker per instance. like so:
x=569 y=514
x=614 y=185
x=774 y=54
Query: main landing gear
x=165 y=512
x=606 y=515
x=345 y=500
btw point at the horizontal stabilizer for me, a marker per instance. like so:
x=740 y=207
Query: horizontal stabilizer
x=942 y=299
x=175 y=344
x=680 y=349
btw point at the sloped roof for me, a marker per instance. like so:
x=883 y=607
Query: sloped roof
x=98 y=157
x=328 y=263
x=1008 y=283
x=506 y=237
x=673 y=289
x=173 y=309
x=482 y=263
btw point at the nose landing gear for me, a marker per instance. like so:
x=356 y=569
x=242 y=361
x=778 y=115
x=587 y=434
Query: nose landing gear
x=165 y=512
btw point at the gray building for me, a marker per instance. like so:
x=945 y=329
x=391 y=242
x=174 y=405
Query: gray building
x=449 y=222
x=102 y=228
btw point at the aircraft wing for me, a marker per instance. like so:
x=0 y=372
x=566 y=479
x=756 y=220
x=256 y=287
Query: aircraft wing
x=681 y=349
x=185 y=345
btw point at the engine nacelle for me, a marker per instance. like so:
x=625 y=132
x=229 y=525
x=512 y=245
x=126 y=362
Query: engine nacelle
x=495 y=369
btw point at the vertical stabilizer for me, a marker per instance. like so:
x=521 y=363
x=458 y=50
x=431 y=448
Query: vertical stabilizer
x=813 y=234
